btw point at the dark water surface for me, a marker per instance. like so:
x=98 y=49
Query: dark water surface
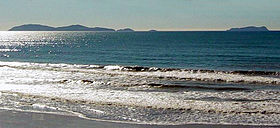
x=192 y=50
x=161 y=78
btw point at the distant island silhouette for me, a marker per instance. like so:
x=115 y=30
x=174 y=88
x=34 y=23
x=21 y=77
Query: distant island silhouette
x=38 y=27
x=248 y=29
x=152 y=30
x=125 y=30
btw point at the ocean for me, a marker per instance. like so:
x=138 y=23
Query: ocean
x=165 y=78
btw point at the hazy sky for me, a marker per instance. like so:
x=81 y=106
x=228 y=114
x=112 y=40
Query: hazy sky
x=143 y=14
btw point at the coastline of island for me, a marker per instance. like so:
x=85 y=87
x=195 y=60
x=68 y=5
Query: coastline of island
x=39 y=27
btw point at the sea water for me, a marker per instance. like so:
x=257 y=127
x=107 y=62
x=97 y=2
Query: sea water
x=144 y=77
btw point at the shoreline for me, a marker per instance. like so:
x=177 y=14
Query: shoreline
x=22 y=119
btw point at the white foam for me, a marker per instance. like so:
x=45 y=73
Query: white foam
x=9 y=50
x=210 y=76
x=42 y=82
x=113 y=67
x=96 y=111
x=39 y=106
x=180 y=74
x=42 y=107
x=155 y=99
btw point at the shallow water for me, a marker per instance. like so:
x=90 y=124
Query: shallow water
x=180 y=77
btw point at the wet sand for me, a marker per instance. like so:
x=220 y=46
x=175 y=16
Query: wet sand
x=16 y=119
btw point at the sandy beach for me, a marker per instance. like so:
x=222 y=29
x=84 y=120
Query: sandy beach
x=16 y=119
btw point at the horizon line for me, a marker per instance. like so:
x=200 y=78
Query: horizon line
x=145 y=29
x=203 y=30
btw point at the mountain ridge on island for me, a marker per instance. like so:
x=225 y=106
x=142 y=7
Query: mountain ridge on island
x=152 y=30
x=249 y=29
x=38 y=27
x=125 y=30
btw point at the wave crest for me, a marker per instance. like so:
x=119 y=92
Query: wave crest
x=251 y=77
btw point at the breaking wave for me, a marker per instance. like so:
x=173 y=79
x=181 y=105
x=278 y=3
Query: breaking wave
x=164 y=95
x=247 y=77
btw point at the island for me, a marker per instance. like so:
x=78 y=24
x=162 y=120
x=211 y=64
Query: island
x=152 y=30
x=249 y=29
x=38 y=27
x=125 y=30
x=32 y=27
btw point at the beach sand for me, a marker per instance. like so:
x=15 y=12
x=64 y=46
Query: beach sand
x=17 y=119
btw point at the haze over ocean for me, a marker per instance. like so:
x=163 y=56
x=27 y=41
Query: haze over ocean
x=143 y=14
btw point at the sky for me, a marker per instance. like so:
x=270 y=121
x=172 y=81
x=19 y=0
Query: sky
x=178 y=15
